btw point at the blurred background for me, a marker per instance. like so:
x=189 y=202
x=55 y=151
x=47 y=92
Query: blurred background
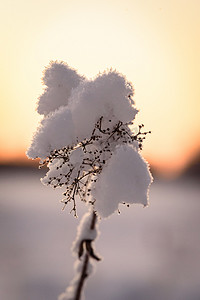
x=151 y=253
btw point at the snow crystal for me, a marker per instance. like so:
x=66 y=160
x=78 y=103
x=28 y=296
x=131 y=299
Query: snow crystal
x=60 y=80
x=125 y=179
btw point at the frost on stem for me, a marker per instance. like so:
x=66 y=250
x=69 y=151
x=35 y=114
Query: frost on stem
x=83 y=248
x=87 y=232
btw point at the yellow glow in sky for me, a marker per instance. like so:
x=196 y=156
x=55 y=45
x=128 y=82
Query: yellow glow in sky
x=156 y=44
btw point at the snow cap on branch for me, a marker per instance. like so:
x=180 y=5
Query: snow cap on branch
x=109 y=95
x=125 y=179
x=59 y=80
x=86 y=140
x=54 y=132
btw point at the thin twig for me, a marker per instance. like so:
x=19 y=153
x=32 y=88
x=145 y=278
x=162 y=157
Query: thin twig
x=89 y=253
x=82 y=278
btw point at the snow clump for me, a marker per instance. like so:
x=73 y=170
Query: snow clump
x=86 y=140
x=59 y=80
x=125 y=179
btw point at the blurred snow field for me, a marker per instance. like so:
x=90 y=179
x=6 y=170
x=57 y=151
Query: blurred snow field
x=150 y=253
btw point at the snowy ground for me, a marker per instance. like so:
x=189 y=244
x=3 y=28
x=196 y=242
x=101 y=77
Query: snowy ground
x=148 y=254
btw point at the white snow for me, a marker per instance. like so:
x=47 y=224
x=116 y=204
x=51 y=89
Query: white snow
x=59 y=80
x=159 y=246
x=107 y=96
x=70 y=291
x=54 y=132
x=84 y=231
x=125 y=179
x=72 y=106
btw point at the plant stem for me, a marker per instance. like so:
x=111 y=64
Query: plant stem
x=84 y=273
x=82 y=278
x=94 y=218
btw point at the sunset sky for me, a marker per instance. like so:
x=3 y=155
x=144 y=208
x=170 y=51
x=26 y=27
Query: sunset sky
x=156 y=44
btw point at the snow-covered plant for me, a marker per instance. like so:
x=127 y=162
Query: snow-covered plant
x=86 y=140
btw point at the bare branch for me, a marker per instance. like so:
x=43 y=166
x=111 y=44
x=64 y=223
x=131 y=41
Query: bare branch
x=86 y=246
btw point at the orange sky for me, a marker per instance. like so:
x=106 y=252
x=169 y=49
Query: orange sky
x=156 y=44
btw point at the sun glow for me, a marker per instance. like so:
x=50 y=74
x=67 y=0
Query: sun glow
x=154 y=43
